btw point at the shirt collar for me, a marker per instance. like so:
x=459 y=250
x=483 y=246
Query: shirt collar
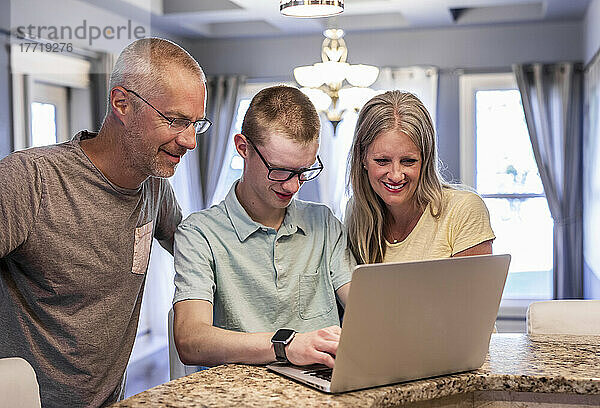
x=242 y=223
x=293 y=220
x=245 y=226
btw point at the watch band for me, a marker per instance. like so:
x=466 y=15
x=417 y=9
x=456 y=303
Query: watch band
x=280 y=352
x=280 y=339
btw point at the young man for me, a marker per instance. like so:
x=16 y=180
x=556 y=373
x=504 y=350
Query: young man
x=78 y=222
x=261 y=260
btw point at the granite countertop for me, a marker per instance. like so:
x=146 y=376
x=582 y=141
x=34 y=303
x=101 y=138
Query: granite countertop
x=520 y=363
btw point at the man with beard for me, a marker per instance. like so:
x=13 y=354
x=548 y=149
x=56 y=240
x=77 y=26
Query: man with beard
x=78 y=222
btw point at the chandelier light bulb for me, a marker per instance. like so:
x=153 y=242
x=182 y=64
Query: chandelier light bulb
x=308 y=76
x=332 y=73
x=320 y=99
x=362 y=75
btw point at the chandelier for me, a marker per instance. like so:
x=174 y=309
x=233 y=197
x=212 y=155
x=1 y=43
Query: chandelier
x=324 y=82
x=311 y=8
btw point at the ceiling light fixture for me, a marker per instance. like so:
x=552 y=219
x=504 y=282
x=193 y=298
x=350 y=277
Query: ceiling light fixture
x=323 y=82
x=311 y=8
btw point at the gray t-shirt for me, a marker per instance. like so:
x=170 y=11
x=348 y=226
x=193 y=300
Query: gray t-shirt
x=74 y=250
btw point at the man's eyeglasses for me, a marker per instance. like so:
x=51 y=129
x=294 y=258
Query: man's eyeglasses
x=178 y=125
x=280 y=174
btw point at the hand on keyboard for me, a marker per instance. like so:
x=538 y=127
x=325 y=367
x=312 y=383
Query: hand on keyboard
x=317 y=347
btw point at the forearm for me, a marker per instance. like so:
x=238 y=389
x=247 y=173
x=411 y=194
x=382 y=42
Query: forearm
x=342 y=293
x=209 y=346
x=200 y=343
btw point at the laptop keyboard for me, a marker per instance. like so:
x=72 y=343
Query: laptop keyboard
x=323 y=373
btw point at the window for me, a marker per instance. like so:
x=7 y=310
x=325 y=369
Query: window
x=51 y=97
x=43 y=124
x=497 y=160
x=49 y=114
x=233 y=163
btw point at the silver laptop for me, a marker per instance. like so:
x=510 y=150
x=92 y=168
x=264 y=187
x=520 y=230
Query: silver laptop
x=406 y=321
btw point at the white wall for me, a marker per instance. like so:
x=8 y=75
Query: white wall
x=591 y=28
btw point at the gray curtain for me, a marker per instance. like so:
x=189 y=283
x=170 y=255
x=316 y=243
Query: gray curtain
x=100 y=71
x=222 y=102
x=552 y=97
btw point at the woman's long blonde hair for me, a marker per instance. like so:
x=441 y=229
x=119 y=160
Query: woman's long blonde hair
x=367 y=213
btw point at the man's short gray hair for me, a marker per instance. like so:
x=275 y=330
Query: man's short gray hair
x=142 y=64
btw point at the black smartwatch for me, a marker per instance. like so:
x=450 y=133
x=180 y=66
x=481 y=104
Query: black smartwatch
x=280 y=339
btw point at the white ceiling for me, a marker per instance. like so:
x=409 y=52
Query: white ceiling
x=258 y=18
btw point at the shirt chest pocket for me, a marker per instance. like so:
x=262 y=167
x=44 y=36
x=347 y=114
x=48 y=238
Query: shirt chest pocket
x=315 y=295
x=141 y=248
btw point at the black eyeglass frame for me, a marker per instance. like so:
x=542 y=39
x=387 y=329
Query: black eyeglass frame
x=202 y=124
x=292 y=172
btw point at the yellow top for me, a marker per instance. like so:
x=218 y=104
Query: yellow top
x=464 y=223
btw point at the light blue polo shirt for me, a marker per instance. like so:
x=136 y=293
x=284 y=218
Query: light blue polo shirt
x=260 y=279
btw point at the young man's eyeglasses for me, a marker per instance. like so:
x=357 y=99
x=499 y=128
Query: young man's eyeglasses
x=280 y=174
x=178 y=125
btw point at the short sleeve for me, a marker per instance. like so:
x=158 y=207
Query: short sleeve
x=169 y=216
x=194 y=264
x=20 y=200
x=469 y=223
x=342 y=261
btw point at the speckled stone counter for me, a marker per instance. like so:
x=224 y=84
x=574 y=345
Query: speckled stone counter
x=520 y=370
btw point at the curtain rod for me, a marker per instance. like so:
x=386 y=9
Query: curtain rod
x=461 y=71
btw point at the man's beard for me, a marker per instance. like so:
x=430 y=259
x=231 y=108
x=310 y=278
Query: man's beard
x=143 y=157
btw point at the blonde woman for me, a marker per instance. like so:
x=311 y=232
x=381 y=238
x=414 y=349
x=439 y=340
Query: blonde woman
x=402 y=209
